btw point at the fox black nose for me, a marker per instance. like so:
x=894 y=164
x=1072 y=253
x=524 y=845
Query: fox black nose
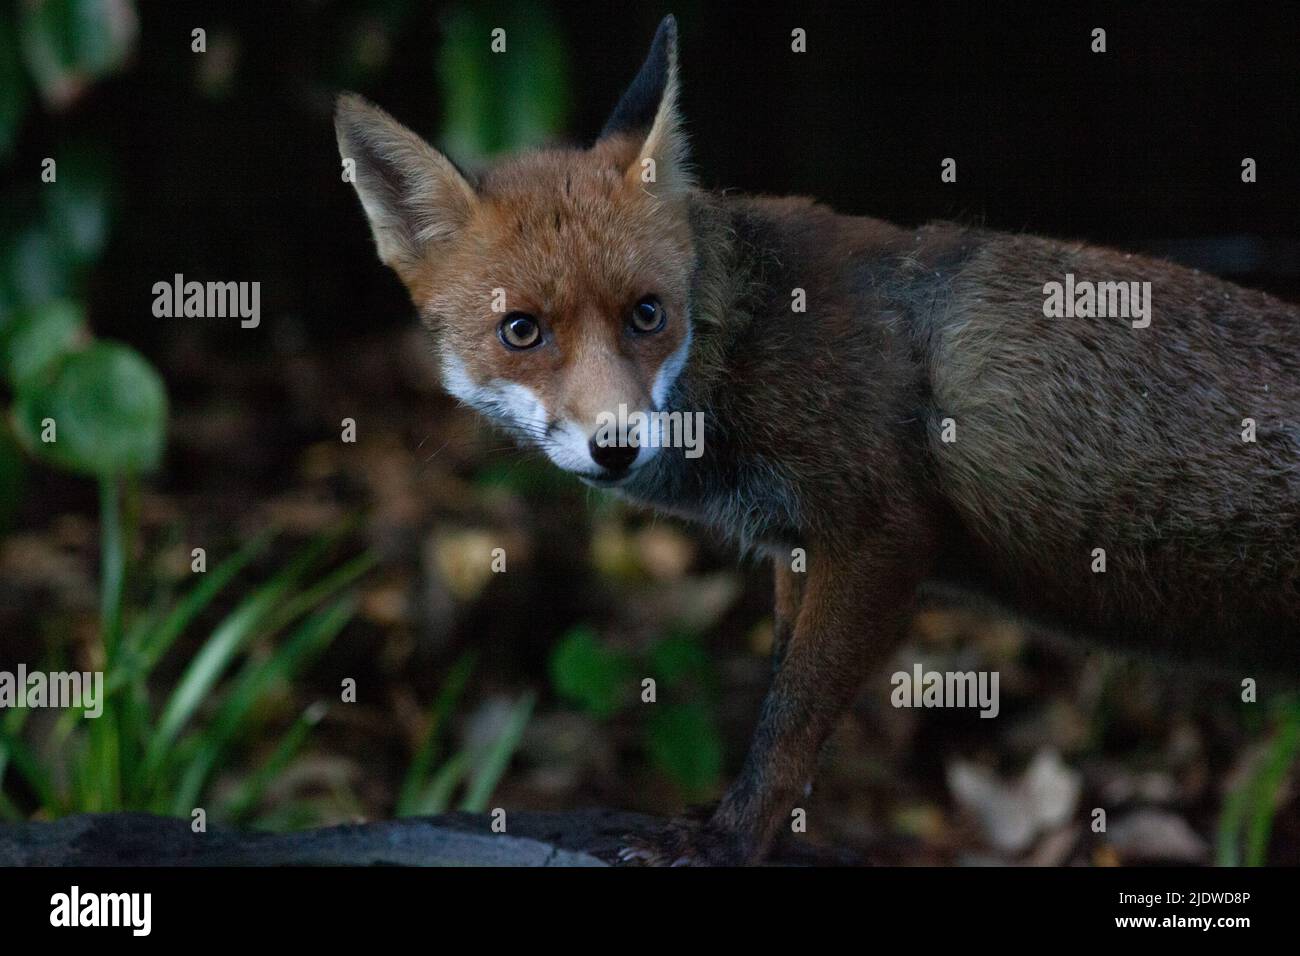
x=613 y=458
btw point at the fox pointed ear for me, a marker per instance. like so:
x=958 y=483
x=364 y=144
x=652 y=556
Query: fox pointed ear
x=648 y=113
x=413 y=196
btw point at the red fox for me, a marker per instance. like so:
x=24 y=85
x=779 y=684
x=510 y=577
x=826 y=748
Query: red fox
x=1101 y=442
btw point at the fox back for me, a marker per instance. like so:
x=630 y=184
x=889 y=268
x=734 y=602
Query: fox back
x=1174 y=448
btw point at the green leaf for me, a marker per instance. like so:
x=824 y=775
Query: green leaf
x=1268 y=785
x=525 y=476
x=251 y=617
x=68 y=43
x=255 y=683
x=34 y=268
x=109 y=409
x=112 y=560
x=327 y=586
x=152 y=641
x=77 y=204
x=13 y=750
x=205 y=670
x=684 y=742
x=499 y=102
x=408 y=800
x=537 y=97
x=9 y=811
x=680 y=659
x=490 y=765
x=436 y=797
x=590 y=675
x=38 y=337
x=252 y=790
x=1248 y=810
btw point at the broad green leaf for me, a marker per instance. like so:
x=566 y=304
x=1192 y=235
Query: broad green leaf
x=68 y=43
x=684 y=742
x=109 y=411
x=34 y=268
x=679 y=659
x=38 y=337
x=586 y=673
x=78 y=203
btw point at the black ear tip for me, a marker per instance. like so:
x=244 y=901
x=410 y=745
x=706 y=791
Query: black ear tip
x=637 y=107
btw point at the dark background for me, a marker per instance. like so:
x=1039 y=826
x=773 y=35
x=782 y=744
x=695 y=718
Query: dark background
x=1139 y=147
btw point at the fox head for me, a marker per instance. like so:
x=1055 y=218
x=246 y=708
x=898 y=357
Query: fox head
x=556 y=283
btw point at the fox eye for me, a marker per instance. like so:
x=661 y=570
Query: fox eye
x=648 y=315
x=519 y=330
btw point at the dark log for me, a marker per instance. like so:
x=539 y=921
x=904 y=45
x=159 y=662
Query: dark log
x=574 y=838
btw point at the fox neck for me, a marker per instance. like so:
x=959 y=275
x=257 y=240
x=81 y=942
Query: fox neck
x=730 y=486
x=809 y=413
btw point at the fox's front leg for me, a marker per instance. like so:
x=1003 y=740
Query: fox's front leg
x=787 y=594
x=852 y=615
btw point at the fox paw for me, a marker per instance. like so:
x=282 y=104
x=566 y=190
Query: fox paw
x=683 y=842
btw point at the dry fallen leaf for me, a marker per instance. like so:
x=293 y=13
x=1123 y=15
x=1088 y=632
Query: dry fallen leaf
x=1012 y=815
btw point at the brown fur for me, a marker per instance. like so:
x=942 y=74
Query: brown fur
x=824 y=428
x=571 y=241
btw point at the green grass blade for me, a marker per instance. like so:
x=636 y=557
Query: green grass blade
x=1231 y=821
x=1281 y=755
x=128 y=653
x=11 y=724
x=106 y=754
x=15 y=753
x=408 y=800
x=492 y=764
x=257 y=681
x=160 y=638
x=261 y=613
x=9 y=810
x=229 y=637
x=112 y=564
x=321 y=591
x=1247 y=815
x=436 y=797
x=250 y=794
